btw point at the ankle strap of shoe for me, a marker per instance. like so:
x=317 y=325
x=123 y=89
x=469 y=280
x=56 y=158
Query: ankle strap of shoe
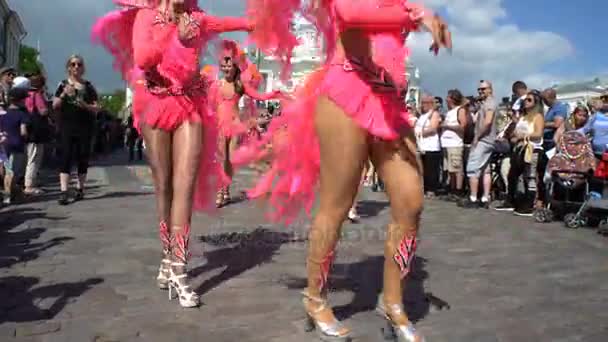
x=317 y=300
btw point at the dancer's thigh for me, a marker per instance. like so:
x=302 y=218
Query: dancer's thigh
x=187 y=147
x=158 y=150
x=398 y=167
x=344 y=150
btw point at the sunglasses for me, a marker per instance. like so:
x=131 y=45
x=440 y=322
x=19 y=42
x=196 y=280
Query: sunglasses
x=482 y=89
x=76 y=64
x=529 y=99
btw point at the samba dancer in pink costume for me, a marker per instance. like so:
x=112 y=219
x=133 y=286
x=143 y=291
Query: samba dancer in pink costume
x=350 y=110
x=156 y=44
x=240 y=78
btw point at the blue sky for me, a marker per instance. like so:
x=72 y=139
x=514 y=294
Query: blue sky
x=500 y=40
x=583 y=31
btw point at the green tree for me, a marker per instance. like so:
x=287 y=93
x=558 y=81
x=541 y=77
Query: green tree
x=28 y=60
x=113 y=102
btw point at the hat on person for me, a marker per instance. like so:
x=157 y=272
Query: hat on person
x=22 y=82
x=17 y=94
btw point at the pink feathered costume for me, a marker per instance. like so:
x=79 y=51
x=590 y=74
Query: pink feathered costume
x=163 y=72
x=370 y=91
x=228 y=116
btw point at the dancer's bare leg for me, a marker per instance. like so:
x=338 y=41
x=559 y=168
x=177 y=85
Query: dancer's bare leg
x=187 y=147
x=228 y=167
x=158 y=143
x=339 y=139
x=223 y=146
x=397 y=164
x=352 y=213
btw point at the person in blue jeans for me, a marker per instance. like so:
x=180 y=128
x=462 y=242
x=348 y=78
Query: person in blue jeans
x=14 y=133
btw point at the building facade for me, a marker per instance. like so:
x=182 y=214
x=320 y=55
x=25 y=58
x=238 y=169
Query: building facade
x=581 y=92
x=12 y=33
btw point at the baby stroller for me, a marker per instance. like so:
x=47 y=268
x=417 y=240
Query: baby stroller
x=596 y=209
x=499 y=187
x=569 y=173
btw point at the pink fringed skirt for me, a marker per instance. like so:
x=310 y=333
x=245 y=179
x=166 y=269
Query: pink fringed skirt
x=291 y=182
x=168 y=113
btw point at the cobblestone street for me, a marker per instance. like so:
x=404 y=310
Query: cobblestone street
x=86 y=272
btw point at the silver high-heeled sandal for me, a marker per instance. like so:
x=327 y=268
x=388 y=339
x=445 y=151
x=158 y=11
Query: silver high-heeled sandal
x=162 y=279
x=186 y=296
x=178 y=282
x=327 y=332
x=393 y=331
x=163 y=274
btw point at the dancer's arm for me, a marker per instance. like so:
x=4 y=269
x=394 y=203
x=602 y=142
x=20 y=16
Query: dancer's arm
x=254 y=94
x=368 y=14
x=146 y=54
x=226 y=24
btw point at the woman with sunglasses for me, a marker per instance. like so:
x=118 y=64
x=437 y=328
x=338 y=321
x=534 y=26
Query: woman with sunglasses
x=157 y=44
x=240 y=78
x=76 y=102
x=351 y=109
x=527 y=156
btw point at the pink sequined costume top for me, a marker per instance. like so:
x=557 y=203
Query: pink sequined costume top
x=226 y=105
x=163 y=72
x=370 y=88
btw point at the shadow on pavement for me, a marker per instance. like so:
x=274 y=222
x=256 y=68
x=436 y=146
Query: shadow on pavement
x=22 y=301
x=364 y=278
x=117 y=194
x=370 y=208
x=17 y=245
x=240 y=252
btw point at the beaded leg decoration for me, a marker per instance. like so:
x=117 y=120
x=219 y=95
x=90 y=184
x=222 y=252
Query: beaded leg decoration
x=399 y=328
x=178 y=275
x=165 y=264
x=330 y=330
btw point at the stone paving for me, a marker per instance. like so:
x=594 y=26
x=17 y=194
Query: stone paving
x=86 y=272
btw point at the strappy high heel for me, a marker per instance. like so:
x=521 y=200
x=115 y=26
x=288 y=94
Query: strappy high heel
x=333 y=331
x=226 y=195
x=178 y=280
x=162 y=279
x=219 y=198
x=394 y=331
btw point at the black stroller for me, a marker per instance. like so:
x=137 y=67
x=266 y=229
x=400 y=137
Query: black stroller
x=568 y=194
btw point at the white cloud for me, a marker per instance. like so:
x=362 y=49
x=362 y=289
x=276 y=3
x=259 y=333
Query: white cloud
x=484 y=48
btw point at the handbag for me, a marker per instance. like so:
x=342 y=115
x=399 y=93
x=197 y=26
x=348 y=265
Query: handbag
x=40 y=128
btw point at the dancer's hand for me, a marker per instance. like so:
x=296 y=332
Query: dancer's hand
x=442 y=37
x=188 y=27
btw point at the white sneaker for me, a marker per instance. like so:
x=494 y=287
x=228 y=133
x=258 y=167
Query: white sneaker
x=352 y=215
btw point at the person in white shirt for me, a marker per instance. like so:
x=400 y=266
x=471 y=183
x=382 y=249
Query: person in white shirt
x=427 y=135
x=453 y=128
